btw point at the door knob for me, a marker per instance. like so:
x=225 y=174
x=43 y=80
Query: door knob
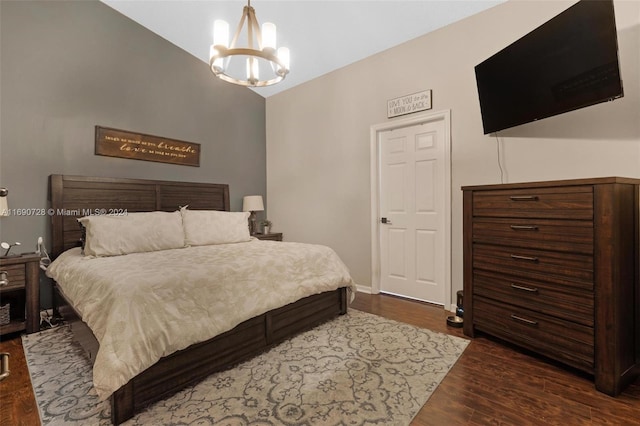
x=385 y=221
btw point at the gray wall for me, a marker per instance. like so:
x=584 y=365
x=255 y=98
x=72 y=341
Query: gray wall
x=67 y=66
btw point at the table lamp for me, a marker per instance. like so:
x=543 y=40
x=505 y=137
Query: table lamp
x=4 y=205
x=253 y=204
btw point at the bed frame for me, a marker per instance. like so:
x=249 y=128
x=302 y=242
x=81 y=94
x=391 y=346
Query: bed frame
x=75 y=196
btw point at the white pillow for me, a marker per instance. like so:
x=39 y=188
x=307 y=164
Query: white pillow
x=108 y=235
x=206 y=227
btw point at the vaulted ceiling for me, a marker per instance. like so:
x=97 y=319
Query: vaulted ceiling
x=321 y=35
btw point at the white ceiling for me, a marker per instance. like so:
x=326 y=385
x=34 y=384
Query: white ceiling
x=321 y=35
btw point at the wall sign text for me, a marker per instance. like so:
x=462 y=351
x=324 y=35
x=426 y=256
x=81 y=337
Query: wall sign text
x=137 y=146
x=408 y=104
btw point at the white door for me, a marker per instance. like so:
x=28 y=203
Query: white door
x=413 y=207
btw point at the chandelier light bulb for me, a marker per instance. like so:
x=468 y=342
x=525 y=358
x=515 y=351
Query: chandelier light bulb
x=253 y=70
x=285 y=58
x=220 y=33
x=218 y=64
x=268 y=36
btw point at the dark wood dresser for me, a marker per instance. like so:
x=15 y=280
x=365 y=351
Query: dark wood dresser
x=554 y=267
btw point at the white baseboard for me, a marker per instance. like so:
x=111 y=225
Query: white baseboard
x=363 y=289
x=367 y=290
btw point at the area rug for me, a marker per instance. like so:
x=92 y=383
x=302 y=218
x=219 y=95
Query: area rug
x=359 y=369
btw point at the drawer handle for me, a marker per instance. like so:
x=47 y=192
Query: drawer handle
x=4 y=279
x=529 y=258
x=523 y=198
x=524 y=227
x=524 y=320
x=4 y=366
x=520 y=287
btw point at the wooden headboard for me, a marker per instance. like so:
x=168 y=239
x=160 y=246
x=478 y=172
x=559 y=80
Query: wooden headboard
x=71 y=197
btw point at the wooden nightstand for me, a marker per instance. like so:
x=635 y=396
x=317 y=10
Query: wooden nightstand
x=276 y=236
x=22 y=293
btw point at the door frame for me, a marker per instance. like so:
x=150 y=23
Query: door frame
x=375 y=159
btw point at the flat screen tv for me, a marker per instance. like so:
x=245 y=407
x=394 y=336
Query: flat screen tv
x=569 y=62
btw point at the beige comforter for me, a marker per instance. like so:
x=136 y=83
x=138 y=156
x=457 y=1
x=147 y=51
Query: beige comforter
x=144 y=306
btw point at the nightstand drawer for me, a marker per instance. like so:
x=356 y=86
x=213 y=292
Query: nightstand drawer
x=574 y=202
x=16 y=275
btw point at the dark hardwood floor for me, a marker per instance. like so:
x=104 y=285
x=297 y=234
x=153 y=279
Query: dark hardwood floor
x=492 y=383
x=496 y=384
x=17 y=403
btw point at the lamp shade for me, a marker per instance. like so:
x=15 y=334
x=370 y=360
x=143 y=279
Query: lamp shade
x=252 y=203
x=4 y=205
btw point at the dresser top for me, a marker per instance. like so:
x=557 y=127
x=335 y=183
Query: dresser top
x=552 y=183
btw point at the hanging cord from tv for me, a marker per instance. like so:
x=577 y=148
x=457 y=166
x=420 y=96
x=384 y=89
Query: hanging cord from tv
x=499 y=155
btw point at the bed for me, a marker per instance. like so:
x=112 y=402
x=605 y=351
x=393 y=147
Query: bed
x=72 y=197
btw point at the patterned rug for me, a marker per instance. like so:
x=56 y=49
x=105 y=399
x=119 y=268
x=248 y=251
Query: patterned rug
x=359 y=369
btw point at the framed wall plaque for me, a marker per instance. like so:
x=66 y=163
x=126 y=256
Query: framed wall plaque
x=408 y=104
x=138 y=146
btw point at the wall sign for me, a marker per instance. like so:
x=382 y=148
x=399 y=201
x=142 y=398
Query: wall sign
x=408 y=104
x=137 y=146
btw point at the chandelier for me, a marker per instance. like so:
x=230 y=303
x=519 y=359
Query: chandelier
x=225 y=59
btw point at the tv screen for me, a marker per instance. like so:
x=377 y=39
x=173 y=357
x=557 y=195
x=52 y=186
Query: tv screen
x=569 y=62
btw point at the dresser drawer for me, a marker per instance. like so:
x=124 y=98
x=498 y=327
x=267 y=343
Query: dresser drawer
x=562 y=269
x=16 y=275
x=546 y=234
x=574 y=202
x=556 y=338
x=564 y=302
